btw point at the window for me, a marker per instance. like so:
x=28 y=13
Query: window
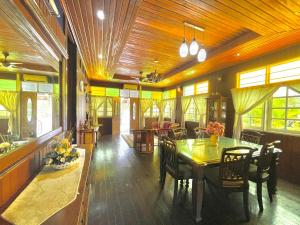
x=196 y=89
x=153 y=111
x=285 y=72
x=105 y=110
x=170 y=94
x=192 y=113
x=188 y=90
x=285 y=110
x=167 y=111
x=270 y=74
x=202 y=87
x=253 y=78
x=283 y=113
x=254 y=118
x=4 y=114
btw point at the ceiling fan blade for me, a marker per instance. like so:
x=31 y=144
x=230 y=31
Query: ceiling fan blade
x=15 y=63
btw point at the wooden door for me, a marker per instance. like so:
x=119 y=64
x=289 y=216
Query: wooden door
x=28 y=116
x=134 y=113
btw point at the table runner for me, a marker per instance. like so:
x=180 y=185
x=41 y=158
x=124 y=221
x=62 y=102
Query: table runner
x=50 y=191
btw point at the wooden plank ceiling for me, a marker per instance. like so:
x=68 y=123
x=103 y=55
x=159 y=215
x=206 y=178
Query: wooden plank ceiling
x=135 y=33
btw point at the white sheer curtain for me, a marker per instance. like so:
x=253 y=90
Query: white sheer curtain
x=200 y=103
x=296 y=87
x=145 y=105
x=172 y=105
x=161 y=105
x=245 y=99
x=185 y=103
x=96 y=103
x=9 y=100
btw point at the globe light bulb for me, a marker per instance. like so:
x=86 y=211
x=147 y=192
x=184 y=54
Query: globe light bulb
x=184 y=49
x=194 y=47
x=202 y=55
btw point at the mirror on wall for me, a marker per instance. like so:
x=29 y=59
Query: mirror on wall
x=29 y=90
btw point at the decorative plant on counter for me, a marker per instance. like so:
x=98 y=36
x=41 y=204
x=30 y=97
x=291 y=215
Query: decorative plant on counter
x=215 y=129
x=63 y=155
x=4 y=147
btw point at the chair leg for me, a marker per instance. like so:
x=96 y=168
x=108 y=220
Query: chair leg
x=246 y=203
x=270 y=190
x=259 y=196
x=175 y=191
x=187 y=183
x=181 y=183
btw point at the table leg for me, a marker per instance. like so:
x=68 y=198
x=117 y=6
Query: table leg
x=197 y=193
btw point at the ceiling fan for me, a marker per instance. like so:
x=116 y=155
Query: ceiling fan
x=7 y=63
x=152 y=77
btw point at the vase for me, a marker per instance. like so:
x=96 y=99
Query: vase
x=214 y=139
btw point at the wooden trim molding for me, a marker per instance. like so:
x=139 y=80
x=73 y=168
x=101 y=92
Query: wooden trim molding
x=55 y=33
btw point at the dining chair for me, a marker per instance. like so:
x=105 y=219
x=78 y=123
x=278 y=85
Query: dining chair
x=178 y=133
x=173 y=166
x=232 y=174
x=260 y=171
x=200 y=132
x=251 y=136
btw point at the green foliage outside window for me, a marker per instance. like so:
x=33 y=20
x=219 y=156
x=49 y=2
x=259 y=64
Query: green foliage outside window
x=253 y=119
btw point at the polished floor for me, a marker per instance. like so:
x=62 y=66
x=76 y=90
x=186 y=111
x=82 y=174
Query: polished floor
x=125 y=191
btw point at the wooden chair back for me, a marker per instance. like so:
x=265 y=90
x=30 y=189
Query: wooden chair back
x=170 y=155
x=200 y=132
x=234 y=167
x=265 y=158
x=253 y=136
x=178 y=133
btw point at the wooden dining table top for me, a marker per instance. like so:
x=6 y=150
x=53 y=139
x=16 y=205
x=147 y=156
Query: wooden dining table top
x=202 y=152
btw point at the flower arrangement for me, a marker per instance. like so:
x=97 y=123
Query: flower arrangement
x=63 y=155
x=4 y=146
x=215 y=128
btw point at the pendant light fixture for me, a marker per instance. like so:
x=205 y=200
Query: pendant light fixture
x=194 y=47
x=202 y=55
x=184 y=49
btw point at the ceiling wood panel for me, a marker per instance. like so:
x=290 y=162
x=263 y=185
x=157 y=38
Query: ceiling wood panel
x=135 y=33
x=95 y=37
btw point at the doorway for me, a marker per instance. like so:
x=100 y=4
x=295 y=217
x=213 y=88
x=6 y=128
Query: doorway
x=125 y=116
x=44 y=114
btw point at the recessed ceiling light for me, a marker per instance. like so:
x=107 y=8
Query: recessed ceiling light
x=100 y=14
x=100 y=56
x=156 y=61
x=237 y=54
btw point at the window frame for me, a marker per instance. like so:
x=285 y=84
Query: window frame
x=268 y=73
x=105 y=114
x=267 y=115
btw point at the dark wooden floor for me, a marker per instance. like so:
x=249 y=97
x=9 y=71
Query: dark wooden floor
x=125 y=190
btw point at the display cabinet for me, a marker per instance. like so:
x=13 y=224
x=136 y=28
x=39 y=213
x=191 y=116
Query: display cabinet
x=216 y=108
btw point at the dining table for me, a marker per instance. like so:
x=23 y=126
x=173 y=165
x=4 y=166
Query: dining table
x=201 y=153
